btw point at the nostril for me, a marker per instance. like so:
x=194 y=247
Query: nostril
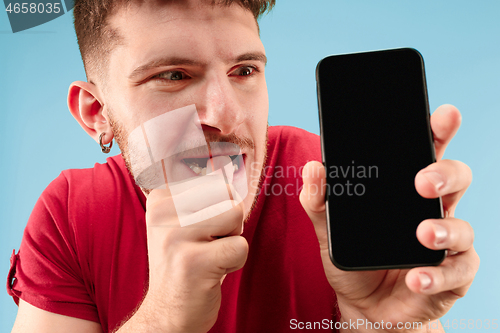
x=210 y=130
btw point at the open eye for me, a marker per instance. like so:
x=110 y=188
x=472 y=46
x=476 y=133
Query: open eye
x=243 y=71
x=172 y=76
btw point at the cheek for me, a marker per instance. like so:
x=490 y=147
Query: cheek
x=263 y=103
x=261 y=115
x=161 y=102
x=140 y=110
x=258 y=101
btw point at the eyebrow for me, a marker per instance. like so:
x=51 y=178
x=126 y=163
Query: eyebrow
x=177 y=61
x=257 y=56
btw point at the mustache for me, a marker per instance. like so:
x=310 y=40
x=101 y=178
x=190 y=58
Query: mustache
x=215 y=141
x=242 y=142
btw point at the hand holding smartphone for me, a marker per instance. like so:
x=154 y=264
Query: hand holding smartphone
x=375 y=138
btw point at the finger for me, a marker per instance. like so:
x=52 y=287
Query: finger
x=201 y=194
x=160 y=211
x=215 y=218
x=227 y=223
x=234 y=194
x=180 y=209
x=450 y=233
x=155 y=196
x=455 y=274
x=227 y=254
x=169 y=230
x=312 y=196
x=447 y=179
x=445 y=122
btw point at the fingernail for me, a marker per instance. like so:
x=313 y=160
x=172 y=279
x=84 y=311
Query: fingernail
x=440 y=234
x=442 y=110
x=425 y=281
x=435 y=179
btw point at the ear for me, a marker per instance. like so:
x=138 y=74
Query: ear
x=87 y=107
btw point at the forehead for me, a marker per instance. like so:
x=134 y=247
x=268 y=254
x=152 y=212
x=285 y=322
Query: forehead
x=183 y=28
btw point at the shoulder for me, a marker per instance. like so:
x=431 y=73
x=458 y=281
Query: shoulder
x=101 y=184
x=293 y=144
x=70 y=227
x=114 y=170
x=105 y=172
x=79 y=196
x=291 y=133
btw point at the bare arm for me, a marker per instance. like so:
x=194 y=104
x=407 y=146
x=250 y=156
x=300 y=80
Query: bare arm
x=32 y=319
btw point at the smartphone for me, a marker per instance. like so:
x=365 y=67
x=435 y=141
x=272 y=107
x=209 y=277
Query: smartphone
x=375 y=138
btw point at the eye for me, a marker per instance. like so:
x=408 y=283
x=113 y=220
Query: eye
x=171 y=76
x=243 y=71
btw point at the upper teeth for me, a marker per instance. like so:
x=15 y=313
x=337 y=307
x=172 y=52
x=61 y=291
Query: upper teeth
x=196 y=169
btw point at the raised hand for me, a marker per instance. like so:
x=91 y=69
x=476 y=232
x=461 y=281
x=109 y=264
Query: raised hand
x=420 y=294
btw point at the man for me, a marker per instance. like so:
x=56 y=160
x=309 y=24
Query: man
x=101 y=255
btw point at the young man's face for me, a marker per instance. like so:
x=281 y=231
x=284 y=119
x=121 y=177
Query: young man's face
x=187 y=53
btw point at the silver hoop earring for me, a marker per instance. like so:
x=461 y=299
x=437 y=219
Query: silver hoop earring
x=105 y=149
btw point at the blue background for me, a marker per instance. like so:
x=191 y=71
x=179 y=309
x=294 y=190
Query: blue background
x=460 y=42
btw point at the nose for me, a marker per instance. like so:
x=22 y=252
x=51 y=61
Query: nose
x=219 y=107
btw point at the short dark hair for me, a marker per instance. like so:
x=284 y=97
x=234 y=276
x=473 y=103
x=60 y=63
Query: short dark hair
x=97 y=39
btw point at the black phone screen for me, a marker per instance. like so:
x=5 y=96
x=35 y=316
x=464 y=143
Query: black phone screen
x=376 y=136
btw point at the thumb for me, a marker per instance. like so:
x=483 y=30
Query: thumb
x=312 y=198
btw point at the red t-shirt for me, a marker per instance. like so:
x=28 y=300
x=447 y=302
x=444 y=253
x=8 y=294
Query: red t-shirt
x=84 y=249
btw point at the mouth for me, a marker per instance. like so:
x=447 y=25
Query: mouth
x=199 y=165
